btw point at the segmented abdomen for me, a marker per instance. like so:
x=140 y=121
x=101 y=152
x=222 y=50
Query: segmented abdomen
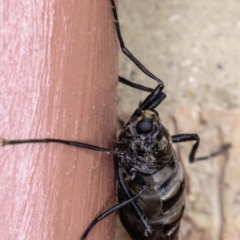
x=162 y=203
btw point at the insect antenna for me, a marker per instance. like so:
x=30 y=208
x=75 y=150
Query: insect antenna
x=108 y=212
x=5 y=142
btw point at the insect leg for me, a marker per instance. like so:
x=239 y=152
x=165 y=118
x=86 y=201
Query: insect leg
x=195 y=137
x=186 y=138
x=108 y=212
x=153 y=99
x=134 y=85
x=138 y=211
x=126 y=51
x=5 y=142
x=222 y=149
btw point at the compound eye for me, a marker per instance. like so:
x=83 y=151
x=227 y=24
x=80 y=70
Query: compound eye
x=144 y=126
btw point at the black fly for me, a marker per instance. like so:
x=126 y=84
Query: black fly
x=151 y=179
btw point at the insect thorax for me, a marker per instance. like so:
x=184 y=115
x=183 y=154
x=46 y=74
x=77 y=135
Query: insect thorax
x=146 y=144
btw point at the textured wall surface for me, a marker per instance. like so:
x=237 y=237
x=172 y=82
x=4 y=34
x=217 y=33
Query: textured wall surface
x=193 y=46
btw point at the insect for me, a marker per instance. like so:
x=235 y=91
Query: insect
x=144 y=154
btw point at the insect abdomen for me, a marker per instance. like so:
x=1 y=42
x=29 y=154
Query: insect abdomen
x=162 y=203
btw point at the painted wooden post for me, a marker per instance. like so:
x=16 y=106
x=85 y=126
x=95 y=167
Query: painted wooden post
x=58 y=80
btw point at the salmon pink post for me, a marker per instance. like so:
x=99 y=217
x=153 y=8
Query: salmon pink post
x=58 y=80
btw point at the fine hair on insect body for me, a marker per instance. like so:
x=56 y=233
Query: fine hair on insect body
x=151 y=180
